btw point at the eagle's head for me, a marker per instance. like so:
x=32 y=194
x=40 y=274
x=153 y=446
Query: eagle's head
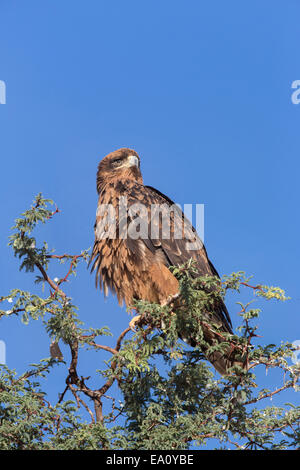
x=121 y=164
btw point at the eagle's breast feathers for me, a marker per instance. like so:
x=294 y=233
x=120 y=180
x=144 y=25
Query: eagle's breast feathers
x=132 y=268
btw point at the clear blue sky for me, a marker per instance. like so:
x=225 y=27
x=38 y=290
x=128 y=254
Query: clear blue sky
x=201 y=90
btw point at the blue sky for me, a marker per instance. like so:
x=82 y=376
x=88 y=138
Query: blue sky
x=201 y=90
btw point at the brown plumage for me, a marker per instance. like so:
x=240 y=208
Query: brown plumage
x=136 y=267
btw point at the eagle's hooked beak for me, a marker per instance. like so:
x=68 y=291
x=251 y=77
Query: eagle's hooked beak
x=132 y=160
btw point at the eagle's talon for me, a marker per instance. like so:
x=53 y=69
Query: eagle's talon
x=170 y=299
x=135 y=321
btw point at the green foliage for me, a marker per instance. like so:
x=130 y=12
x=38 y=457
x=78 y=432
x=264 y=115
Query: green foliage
x=171 y=396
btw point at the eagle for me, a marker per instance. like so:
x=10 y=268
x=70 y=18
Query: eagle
x=132 y=253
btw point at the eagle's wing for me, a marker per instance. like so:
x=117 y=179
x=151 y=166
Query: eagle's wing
x=175 y=245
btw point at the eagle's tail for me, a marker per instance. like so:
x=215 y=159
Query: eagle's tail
x=221 y=360
x=218 y=330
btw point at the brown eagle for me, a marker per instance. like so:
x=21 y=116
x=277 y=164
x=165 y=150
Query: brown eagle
x=132 y=254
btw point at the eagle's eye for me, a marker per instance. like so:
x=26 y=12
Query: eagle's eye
x=117 y=162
